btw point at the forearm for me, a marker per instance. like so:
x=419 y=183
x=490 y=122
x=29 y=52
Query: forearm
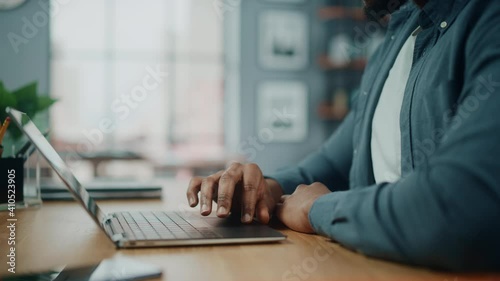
x=329 y=165
x=438 y=218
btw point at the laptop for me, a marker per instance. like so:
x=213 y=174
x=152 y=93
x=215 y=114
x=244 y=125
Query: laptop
x=148 y=228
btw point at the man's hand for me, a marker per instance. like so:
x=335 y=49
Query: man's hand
x=239 y=188
x=294 y=209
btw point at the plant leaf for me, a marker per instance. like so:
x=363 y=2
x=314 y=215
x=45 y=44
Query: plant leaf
x=15 y=132
x=27 y=99
x=24 y=99
x=27 y=92
x=44 y=102
x=6 y=99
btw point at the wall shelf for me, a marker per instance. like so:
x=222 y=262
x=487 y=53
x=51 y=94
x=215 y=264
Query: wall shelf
x=339 y=18
x=328 y=112
x=340 y=12
x=328 y=65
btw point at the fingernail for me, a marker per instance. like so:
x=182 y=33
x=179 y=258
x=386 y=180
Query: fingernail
x=191 y=201
x=222 y=210
x=247 y=218
x=204 y=208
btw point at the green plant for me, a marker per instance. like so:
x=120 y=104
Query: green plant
x=25 y=99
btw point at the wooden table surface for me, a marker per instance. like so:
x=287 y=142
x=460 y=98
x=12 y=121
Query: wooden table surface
x=62 y=233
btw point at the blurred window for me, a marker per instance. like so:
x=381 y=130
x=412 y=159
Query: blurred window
x=138 y=72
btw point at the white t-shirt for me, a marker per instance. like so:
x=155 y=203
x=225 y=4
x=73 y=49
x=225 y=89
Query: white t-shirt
x=386 y=132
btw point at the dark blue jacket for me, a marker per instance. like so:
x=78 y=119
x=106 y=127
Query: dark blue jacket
x=445 y=210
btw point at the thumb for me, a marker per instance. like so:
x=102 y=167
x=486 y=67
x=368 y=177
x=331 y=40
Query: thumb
x=283 y=198
x=263 y=212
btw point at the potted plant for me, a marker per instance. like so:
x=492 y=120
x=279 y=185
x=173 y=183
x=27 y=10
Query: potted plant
x=25 y=99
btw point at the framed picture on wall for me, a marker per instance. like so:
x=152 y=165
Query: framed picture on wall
x=283 y=40
x=282 y=111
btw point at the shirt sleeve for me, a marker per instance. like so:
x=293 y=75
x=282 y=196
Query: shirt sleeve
x=329 y=165
x=445 y=214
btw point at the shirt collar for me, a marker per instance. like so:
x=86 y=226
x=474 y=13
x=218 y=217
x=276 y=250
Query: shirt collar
x=440 y=13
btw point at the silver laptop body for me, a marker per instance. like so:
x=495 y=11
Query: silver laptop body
x=146 y=229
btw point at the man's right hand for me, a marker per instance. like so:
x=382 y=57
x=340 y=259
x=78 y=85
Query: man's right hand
x=239 y=188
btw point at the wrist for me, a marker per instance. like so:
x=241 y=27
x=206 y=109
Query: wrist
x=315 y=198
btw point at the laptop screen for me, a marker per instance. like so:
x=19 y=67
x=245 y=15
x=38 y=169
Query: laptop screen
x=55 y=161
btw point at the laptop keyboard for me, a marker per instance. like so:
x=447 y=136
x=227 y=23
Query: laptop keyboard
x=159 y=226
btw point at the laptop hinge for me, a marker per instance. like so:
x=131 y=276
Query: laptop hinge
x=108 y=218
x=117 y=237
x=108 y=225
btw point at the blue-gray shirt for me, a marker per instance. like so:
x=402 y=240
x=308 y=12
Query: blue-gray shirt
x=445 y=210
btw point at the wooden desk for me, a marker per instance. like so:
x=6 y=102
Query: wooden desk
x=61 y=233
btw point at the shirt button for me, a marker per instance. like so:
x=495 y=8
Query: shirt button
x=444 y=24
x=392 y=37
x=355 y=151
x=365 y=93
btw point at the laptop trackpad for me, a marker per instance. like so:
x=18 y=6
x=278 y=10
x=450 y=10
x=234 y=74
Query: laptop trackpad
x=232 y=227
x=211 y=222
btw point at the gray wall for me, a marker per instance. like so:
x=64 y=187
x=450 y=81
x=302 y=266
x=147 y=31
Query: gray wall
x=31 y=61
x=273 y=155
x=24 y=50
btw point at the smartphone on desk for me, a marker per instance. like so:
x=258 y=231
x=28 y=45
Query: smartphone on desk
x=114 y=269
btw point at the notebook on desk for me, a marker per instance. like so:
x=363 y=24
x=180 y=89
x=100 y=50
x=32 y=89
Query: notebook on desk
x=103 y=189
x=149 y=228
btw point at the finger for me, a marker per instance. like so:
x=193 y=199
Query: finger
x=280 y=212
x=214 y=195
x=252 y=180
x=193 y=190
x=301 y=186
x=283 y=198
x=227 y=184
x=262 y=211
x=207 y=188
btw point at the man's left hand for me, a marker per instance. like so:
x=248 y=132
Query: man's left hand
x=294 y=209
